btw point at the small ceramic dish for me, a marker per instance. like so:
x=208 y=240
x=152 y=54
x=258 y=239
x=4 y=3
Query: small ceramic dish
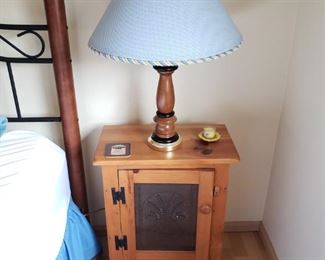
x=214 y=139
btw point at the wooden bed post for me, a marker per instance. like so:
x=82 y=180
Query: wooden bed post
x=59 y=42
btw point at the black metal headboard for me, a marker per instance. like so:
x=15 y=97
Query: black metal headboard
x=57 y=32
x=26 y=58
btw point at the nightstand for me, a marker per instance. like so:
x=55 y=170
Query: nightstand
x=165 y=205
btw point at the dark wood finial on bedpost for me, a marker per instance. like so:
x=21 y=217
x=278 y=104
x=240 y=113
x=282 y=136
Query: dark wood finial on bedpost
x=59 y=42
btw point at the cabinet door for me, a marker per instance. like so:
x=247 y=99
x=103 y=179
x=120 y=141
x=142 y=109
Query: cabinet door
x=167 y=214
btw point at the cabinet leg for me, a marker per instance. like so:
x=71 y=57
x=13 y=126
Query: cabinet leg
x=219 y=207
x=112 y=212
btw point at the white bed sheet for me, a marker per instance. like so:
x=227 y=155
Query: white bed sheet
x=34 y=196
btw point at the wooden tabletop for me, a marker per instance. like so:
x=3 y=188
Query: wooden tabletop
x=191 y=152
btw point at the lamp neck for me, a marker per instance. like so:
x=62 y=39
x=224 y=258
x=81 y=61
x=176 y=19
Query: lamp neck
x=165 y=97
x=165 y=116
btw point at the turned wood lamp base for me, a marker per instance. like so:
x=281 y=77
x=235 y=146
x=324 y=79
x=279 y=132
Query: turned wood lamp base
x=165 y=138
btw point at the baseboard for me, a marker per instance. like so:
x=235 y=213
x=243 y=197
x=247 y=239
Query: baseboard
x=267 y=243
x=241 y=226
x=231 y=226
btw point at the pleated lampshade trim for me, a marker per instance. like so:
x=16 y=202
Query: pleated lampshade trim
x=166 y=63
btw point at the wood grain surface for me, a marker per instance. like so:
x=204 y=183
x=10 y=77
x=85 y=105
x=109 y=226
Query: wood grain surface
x=191 y=152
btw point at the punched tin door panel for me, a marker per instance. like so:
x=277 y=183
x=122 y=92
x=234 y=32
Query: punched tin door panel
x=167 y=214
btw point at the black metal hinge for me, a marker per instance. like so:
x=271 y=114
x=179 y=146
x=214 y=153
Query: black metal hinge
x=118 y=195
x=121 y=243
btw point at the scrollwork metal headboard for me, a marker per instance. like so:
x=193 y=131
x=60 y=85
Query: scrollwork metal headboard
x=26 y=58
x=61 y=59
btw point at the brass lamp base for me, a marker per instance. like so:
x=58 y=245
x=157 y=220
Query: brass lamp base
x=164 y=147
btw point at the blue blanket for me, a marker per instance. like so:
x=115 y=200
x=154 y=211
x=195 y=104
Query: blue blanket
x=3 y=125
x=79 y=242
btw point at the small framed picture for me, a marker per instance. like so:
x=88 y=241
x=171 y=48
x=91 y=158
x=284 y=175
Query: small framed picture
x=117 y=149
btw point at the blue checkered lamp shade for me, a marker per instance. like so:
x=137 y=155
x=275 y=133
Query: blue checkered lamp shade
x=165 y=32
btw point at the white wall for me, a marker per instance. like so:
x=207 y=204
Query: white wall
x=295 y=210
x=244 y=90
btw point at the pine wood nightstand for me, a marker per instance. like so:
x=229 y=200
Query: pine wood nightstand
x=165 y=206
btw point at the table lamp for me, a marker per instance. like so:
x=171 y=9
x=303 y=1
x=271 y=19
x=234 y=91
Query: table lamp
x=165 y=34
